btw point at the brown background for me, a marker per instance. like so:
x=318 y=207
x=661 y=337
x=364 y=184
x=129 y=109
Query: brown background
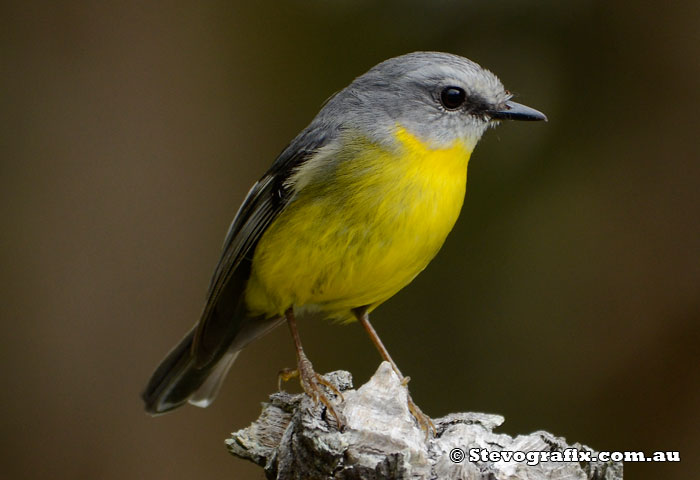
x=566 y=298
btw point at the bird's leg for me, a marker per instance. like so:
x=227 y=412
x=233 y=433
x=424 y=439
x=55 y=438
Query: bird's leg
x=310 y=380
x=426 y=424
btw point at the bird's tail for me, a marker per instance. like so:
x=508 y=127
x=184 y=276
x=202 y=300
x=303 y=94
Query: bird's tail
x=178 y=380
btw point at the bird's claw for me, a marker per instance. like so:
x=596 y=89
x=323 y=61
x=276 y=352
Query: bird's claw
x=312 y=384
x=424 y=422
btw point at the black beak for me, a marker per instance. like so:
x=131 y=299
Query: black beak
x=516 y=111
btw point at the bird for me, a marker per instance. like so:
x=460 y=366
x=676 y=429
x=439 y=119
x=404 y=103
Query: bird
x=350 y=212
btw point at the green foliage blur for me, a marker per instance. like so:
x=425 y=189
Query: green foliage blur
x=566 y=298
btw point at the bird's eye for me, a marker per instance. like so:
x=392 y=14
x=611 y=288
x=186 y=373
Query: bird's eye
x=453 y=97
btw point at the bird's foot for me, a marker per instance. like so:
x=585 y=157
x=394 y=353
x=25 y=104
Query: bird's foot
x=424 y=422
x=285 y=375
x=313 y=384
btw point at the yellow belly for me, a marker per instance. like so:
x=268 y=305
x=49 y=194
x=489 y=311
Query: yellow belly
x=364 y=232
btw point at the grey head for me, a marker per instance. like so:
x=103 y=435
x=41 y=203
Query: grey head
x=438 y=97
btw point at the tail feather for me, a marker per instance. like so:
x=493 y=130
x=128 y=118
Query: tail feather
x=179 y=379
x=207 y=392
x=175 y=380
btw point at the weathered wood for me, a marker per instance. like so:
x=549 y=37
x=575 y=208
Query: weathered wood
x=294 y=438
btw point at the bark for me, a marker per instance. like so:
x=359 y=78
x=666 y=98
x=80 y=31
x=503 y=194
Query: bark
x=296 y=438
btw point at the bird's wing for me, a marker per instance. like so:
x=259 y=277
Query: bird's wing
x=224 y=314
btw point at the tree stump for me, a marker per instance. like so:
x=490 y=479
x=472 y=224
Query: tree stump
x=295 y=438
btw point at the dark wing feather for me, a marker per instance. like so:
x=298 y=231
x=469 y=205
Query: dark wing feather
x=225 y=314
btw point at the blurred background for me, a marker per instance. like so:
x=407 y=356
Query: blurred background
x=566 y=298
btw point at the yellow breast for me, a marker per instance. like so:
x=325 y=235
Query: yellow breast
x=363 y=225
